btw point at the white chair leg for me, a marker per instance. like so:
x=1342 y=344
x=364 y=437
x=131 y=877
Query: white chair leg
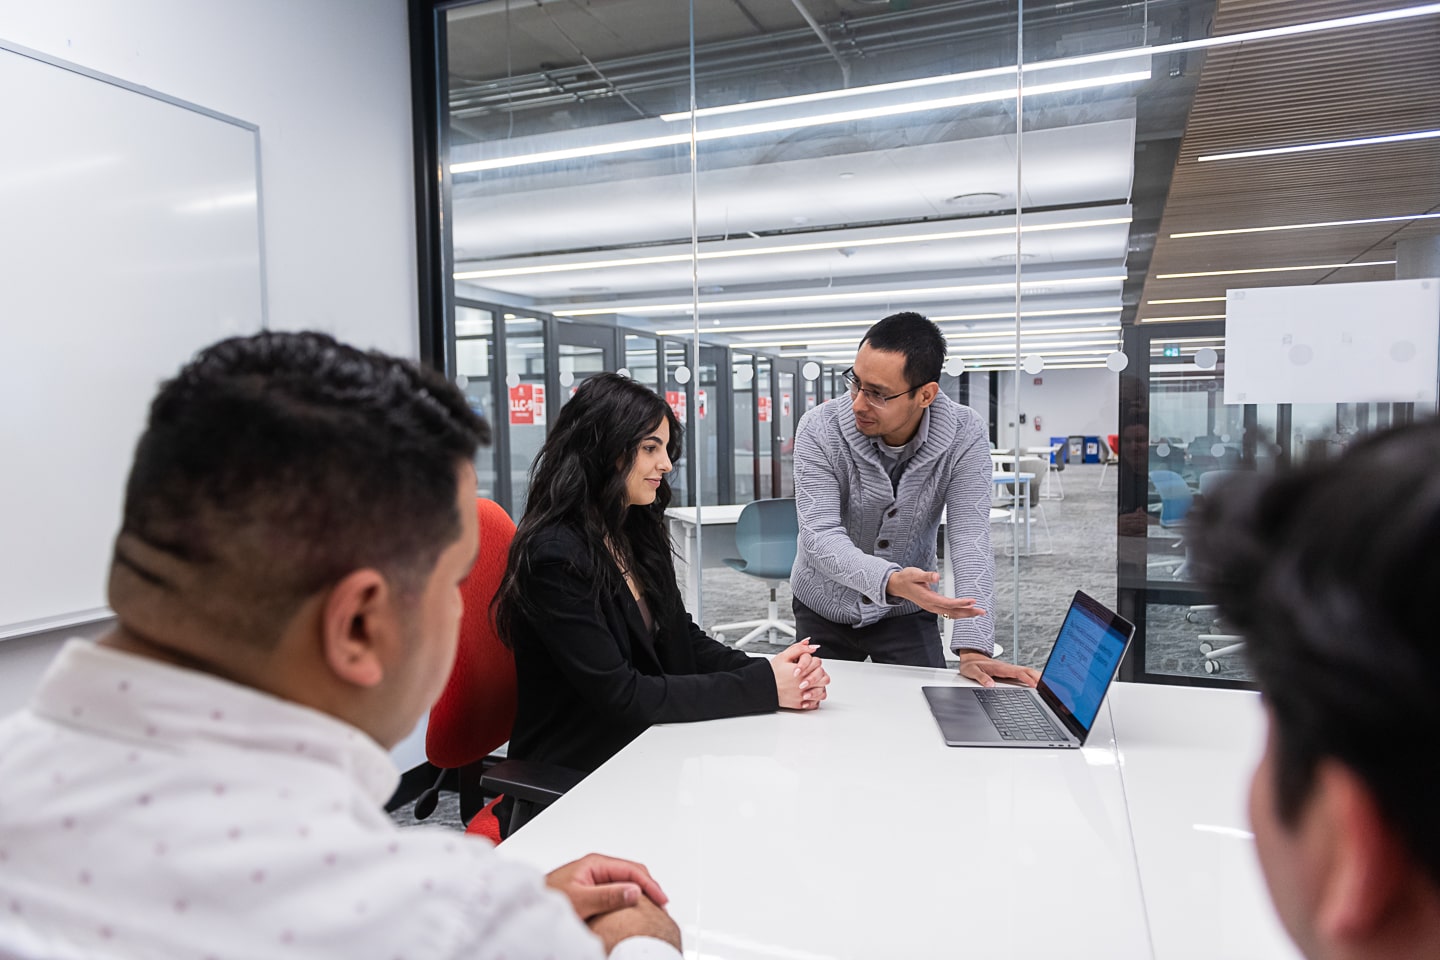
x=769 y=627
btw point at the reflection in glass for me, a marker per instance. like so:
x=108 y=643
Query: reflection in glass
x=475 y=362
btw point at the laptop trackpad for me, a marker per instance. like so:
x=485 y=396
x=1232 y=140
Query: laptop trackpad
x=961 y=718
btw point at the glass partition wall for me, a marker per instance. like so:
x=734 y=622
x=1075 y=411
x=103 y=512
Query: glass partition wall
x=718 y=199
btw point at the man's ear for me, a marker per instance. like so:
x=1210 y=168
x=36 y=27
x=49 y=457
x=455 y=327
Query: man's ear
x=927 y=393
x=357 y=621
x=1368 y=868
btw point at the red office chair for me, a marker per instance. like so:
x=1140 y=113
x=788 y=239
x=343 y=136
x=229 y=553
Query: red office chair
x=476 y=710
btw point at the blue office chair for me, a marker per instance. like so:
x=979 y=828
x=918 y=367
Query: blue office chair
x=1175 y=497
x=766 y=535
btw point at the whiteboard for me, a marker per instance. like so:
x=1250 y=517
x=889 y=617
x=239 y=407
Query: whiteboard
x=130 y=237
x=1372 y=342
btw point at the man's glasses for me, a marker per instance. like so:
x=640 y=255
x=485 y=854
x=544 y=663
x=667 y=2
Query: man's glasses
x=873 y=397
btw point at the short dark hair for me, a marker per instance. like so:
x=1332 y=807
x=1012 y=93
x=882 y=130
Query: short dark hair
x=1328 y=573
x=915 y=336
x=275 y=464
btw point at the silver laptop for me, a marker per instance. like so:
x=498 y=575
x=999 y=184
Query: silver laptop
x=1060 y=712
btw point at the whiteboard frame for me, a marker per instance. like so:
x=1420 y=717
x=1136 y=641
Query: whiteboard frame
x=75 y=618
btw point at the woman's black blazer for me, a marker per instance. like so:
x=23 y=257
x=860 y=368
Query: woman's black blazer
x=591 y=679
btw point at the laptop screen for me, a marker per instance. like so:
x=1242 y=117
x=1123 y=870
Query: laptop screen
x=1091 y=642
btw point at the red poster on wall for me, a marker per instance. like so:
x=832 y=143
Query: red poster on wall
x=762 y=409
x=678 y=403
x=527 y=405
x=784 y=405
x=700 y=403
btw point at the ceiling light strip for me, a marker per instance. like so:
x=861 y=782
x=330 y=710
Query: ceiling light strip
x=1151 y=51
x=957 y=338
x=1186 y=300
x=689 y=306
x=1326 y=145
x=1271 y=33
x=1305 y=226
x=836 y=324
x=1308 y=266
x=1193 y=316
x=795 y=123
x=1250 y=36
x=817 y=246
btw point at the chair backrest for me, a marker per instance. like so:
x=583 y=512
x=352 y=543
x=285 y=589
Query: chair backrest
x=1175 y=495
x=477 y=707
x=766 y=535
x=1036 y=467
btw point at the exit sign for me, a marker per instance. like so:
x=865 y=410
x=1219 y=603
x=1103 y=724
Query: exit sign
x=1172 y=351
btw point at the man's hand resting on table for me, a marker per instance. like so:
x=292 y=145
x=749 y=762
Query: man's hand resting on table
x=644 y=919
x=597 y=885
x=986 y=670
x=918 y=586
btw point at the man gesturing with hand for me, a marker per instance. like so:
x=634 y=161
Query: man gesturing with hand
x=874 y=473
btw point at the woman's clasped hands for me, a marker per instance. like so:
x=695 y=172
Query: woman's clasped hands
x=800 y=677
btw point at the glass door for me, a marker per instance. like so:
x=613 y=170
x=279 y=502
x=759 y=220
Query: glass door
x=581 y=351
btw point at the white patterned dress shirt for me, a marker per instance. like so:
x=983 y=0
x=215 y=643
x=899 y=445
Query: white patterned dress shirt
x=151 y=811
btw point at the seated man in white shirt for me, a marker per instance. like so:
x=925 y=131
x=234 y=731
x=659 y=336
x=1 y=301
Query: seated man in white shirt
x=207 y=780
x=1330 y=572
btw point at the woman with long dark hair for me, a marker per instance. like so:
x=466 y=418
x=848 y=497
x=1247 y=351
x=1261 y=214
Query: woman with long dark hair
x=603 y=644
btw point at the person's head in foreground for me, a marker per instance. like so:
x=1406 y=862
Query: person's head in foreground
x=612 y=448
x=896 y=376
x=1330 y=573
x=298 y=518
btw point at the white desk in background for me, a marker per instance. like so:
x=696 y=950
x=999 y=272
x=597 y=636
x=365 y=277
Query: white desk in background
x=854 y=832
x=717 y=542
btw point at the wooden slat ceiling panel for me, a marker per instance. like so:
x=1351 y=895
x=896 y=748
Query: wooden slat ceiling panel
x=1364 y=81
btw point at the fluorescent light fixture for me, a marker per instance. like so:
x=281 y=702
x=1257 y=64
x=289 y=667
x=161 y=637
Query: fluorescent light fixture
x=1304 y=226
x=1249 y=36
x=1325 y=145
x=1267 y=34
x=1049 y=366
x=1272 y=33
x=838 y=94
x=959 y=337
x=912 y=293
x=1100 y=352
x=782 y=249
x=1308 y=266
x=1196 y=316
x=827 y=324
x=1220 y=340
x=795 y=123
x=1187 y=300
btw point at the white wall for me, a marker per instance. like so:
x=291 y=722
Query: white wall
x=1068 y=402
x=328 y=83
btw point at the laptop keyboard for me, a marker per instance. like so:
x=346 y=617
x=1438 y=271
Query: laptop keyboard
x=1016 y=715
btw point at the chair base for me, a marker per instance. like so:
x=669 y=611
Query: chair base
x=770 y=626
x=1228 y=644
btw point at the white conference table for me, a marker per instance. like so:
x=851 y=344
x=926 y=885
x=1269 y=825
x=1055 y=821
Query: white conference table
x=854 y=832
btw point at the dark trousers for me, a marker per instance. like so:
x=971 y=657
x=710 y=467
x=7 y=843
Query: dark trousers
x=912 y=639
